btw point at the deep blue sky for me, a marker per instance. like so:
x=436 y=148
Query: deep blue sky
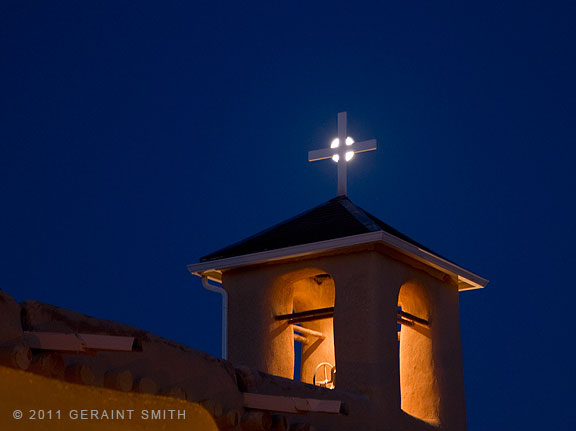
x=136 y=137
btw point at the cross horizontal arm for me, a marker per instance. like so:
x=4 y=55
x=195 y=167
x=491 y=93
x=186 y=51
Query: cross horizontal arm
x=324 y=153
x=360 y=147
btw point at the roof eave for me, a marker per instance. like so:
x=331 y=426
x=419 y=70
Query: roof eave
x=213 y=269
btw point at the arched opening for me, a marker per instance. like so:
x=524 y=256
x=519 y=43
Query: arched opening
x=315 y=332
x=312 y=328
x=418 y=383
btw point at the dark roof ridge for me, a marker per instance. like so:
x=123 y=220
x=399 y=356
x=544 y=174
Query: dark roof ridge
x=336 y=218
x=271 y=228
x=360 y=215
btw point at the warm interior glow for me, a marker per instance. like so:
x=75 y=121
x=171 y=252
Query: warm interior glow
x=419 y=388
x=314 y=293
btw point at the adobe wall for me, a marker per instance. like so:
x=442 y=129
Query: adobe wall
x=367 y=287
x=61 y=406
x=169 y=368
x=162 y=367
x=378 y=392
x=174 y=368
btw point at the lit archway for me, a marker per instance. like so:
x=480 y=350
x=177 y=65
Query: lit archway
x=310 y=296
x=418 y=383
x=317 y=332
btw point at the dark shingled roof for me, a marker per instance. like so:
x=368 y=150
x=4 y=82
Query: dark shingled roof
x=337 y=218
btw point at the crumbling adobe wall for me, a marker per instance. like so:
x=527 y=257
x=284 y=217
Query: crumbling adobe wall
x=175 y=368
x=164 y=367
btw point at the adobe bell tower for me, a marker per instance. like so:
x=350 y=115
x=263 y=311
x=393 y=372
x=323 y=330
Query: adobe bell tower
x=373 y=312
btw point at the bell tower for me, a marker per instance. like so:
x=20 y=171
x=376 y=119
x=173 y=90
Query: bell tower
x=373 y=312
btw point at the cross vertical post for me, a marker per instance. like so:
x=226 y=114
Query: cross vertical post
x=342 y=165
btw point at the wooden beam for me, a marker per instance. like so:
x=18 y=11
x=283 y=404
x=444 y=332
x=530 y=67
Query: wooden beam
x=404 y=322
x=308 y=331
x=301 y=339
x=311 y=318
x=80 y=343
x=307 y=316
x=413 y=318
x=308 y=313
x=403 y=318
x=290 y=404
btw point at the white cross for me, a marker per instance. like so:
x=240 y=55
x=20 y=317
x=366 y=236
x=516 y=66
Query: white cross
x=342 y=154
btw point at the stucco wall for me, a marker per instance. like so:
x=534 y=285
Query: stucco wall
x=424 y=391
x=367 y=289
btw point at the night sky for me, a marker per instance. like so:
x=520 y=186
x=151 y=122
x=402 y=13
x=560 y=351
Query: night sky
x=136 y=137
